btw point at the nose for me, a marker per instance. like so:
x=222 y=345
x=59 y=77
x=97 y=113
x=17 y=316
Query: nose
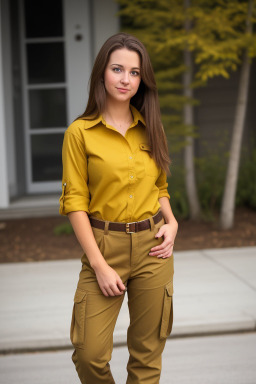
x=125 y=78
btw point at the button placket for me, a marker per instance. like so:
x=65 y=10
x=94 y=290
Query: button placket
x=132 y=175
x=131 y=180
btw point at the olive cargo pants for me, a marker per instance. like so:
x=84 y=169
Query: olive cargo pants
x=149 y=283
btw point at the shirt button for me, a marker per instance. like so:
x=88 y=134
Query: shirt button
x=130 y=157
x=131 y=196
x=131 y=177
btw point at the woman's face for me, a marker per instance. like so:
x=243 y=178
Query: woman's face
x=122 y=75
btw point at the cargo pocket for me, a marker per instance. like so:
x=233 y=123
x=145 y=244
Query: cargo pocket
x=77 y=333
x=167 y=314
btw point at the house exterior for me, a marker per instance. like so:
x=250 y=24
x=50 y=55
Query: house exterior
x=47 y=51
x=46 y=54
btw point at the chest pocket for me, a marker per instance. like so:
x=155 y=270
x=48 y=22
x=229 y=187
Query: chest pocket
x=151 y=168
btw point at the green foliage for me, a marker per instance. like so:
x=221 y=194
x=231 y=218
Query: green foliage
x=246 y=188
x=211 y=171
x=216 y=37
x=210 y=174
x=63 y=229
x=177 y=191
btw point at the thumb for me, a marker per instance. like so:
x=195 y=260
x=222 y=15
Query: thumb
x=120 y=284
x=159 y=233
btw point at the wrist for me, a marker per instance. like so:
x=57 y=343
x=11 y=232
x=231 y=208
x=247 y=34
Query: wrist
x=98 y=264
x=172 y=222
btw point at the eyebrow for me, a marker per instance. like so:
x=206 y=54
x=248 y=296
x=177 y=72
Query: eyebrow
x=119 y=65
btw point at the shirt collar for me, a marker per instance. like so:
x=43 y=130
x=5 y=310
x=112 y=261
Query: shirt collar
x=136 y=118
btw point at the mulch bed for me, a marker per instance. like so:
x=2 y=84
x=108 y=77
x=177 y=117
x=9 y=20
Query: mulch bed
x=34 y=239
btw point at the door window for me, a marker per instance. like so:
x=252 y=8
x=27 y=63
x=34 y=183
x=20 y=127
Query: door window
x=45 y=91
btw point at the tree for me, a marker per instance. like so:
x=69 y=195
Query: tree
x=211 y=33
x=190 y=178
x=228 y=201
x=152 y=22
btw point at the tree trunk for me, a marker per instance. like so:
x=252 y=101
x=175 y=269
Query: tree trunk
x=228 y=201
x=188 y=112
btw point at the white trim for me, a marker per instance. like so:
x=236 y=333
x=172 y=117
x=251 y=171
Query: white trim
x=27 y=143
x=77 y=54
x=105 y=22
x=4 y=190
x=33 y=186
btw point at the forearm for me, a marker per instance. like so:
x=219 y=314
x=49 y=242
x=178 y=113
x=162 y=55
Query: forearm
x=83 y=231
x=167 y=211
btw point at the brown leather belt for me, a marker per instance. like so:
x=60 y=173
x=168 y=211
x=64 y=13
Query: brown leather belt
x=135 y=226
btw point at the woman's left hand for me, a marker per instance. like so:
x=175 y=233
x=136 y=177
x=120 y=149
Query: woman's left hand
x=165 y=250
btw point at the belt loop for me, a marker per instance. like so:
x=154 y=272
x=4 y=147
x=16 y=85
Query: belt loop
x=106 y=227
x=152 y=224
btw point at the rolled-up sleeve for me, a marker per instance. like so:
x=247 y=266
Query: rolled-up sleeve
x=162 y=185
x=75 y=193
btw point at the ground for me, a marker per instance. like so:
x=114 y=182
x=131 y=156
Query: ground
x=34 y=239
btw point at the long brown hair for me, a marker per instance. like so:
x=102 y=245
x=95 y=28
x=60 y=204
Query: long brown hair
x=145 y=100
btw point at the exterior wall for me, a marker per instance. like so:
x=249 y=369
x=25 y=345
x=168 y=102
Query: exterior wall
x=4 y=190
x=18 y=104
x=77 y=54
x=8 y=97
x=104 y=22
x=215 y=115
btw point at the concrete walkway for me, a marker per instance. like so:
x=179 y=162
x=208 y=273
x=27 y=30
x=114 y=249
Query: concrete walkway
x=214 y=292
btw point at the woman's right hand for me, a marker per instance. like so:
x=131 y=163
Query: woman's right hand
x=109 y=281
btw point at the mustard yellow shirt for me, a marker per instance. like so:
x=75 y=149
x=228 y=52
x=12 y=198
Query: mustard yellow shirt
x=108 y=175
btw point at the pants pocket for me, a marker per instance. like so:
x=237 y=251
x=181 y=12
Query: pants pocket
x=77 y=333
x=167 y=313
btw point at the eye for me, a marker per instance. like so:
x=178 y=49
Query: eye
x=117 y=70
x=135 y=73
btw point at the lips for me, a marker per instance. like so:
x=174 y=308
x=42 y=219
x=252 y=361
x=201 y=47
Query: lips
x=123 y=89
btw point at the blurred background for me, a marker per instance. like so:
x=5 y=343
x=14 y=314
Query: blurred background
x=203 y=54
x=204 y=57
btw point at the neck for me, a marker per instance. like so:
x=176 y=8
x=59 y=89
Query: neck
x=117 y=111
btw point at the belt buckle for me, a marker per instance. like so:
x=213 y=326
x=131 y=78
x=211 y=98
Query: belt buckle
x=127 y=229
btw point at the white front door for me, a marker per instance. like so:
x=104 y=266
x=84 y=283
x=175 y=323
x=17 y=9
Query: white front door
x=56 y=61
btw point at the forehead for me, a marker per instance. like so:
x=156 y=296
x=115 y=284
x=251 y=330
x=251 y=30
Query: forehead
x=125 y=57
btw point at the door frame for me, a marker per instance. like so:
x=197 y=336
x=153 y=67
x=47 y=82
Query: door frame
x=77 y=55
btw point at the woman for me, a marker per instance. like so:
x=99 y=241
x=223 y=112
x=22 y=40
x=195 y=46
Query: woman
x=115 y=161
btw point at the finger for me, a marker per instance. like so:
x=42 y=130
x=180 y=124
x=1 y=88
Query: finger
x=104 y=291
x=165 y=251
x=161 y=231
x=166 y=254
x=165 y=242
x=156 y=249
x=116 y=290
x=110 y=291
x=121 y=285
x=161 y=250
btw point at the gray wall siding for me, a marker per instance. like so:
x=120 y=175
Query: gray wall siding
x=8 y=98
x=105 y=22
x=215 y=115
